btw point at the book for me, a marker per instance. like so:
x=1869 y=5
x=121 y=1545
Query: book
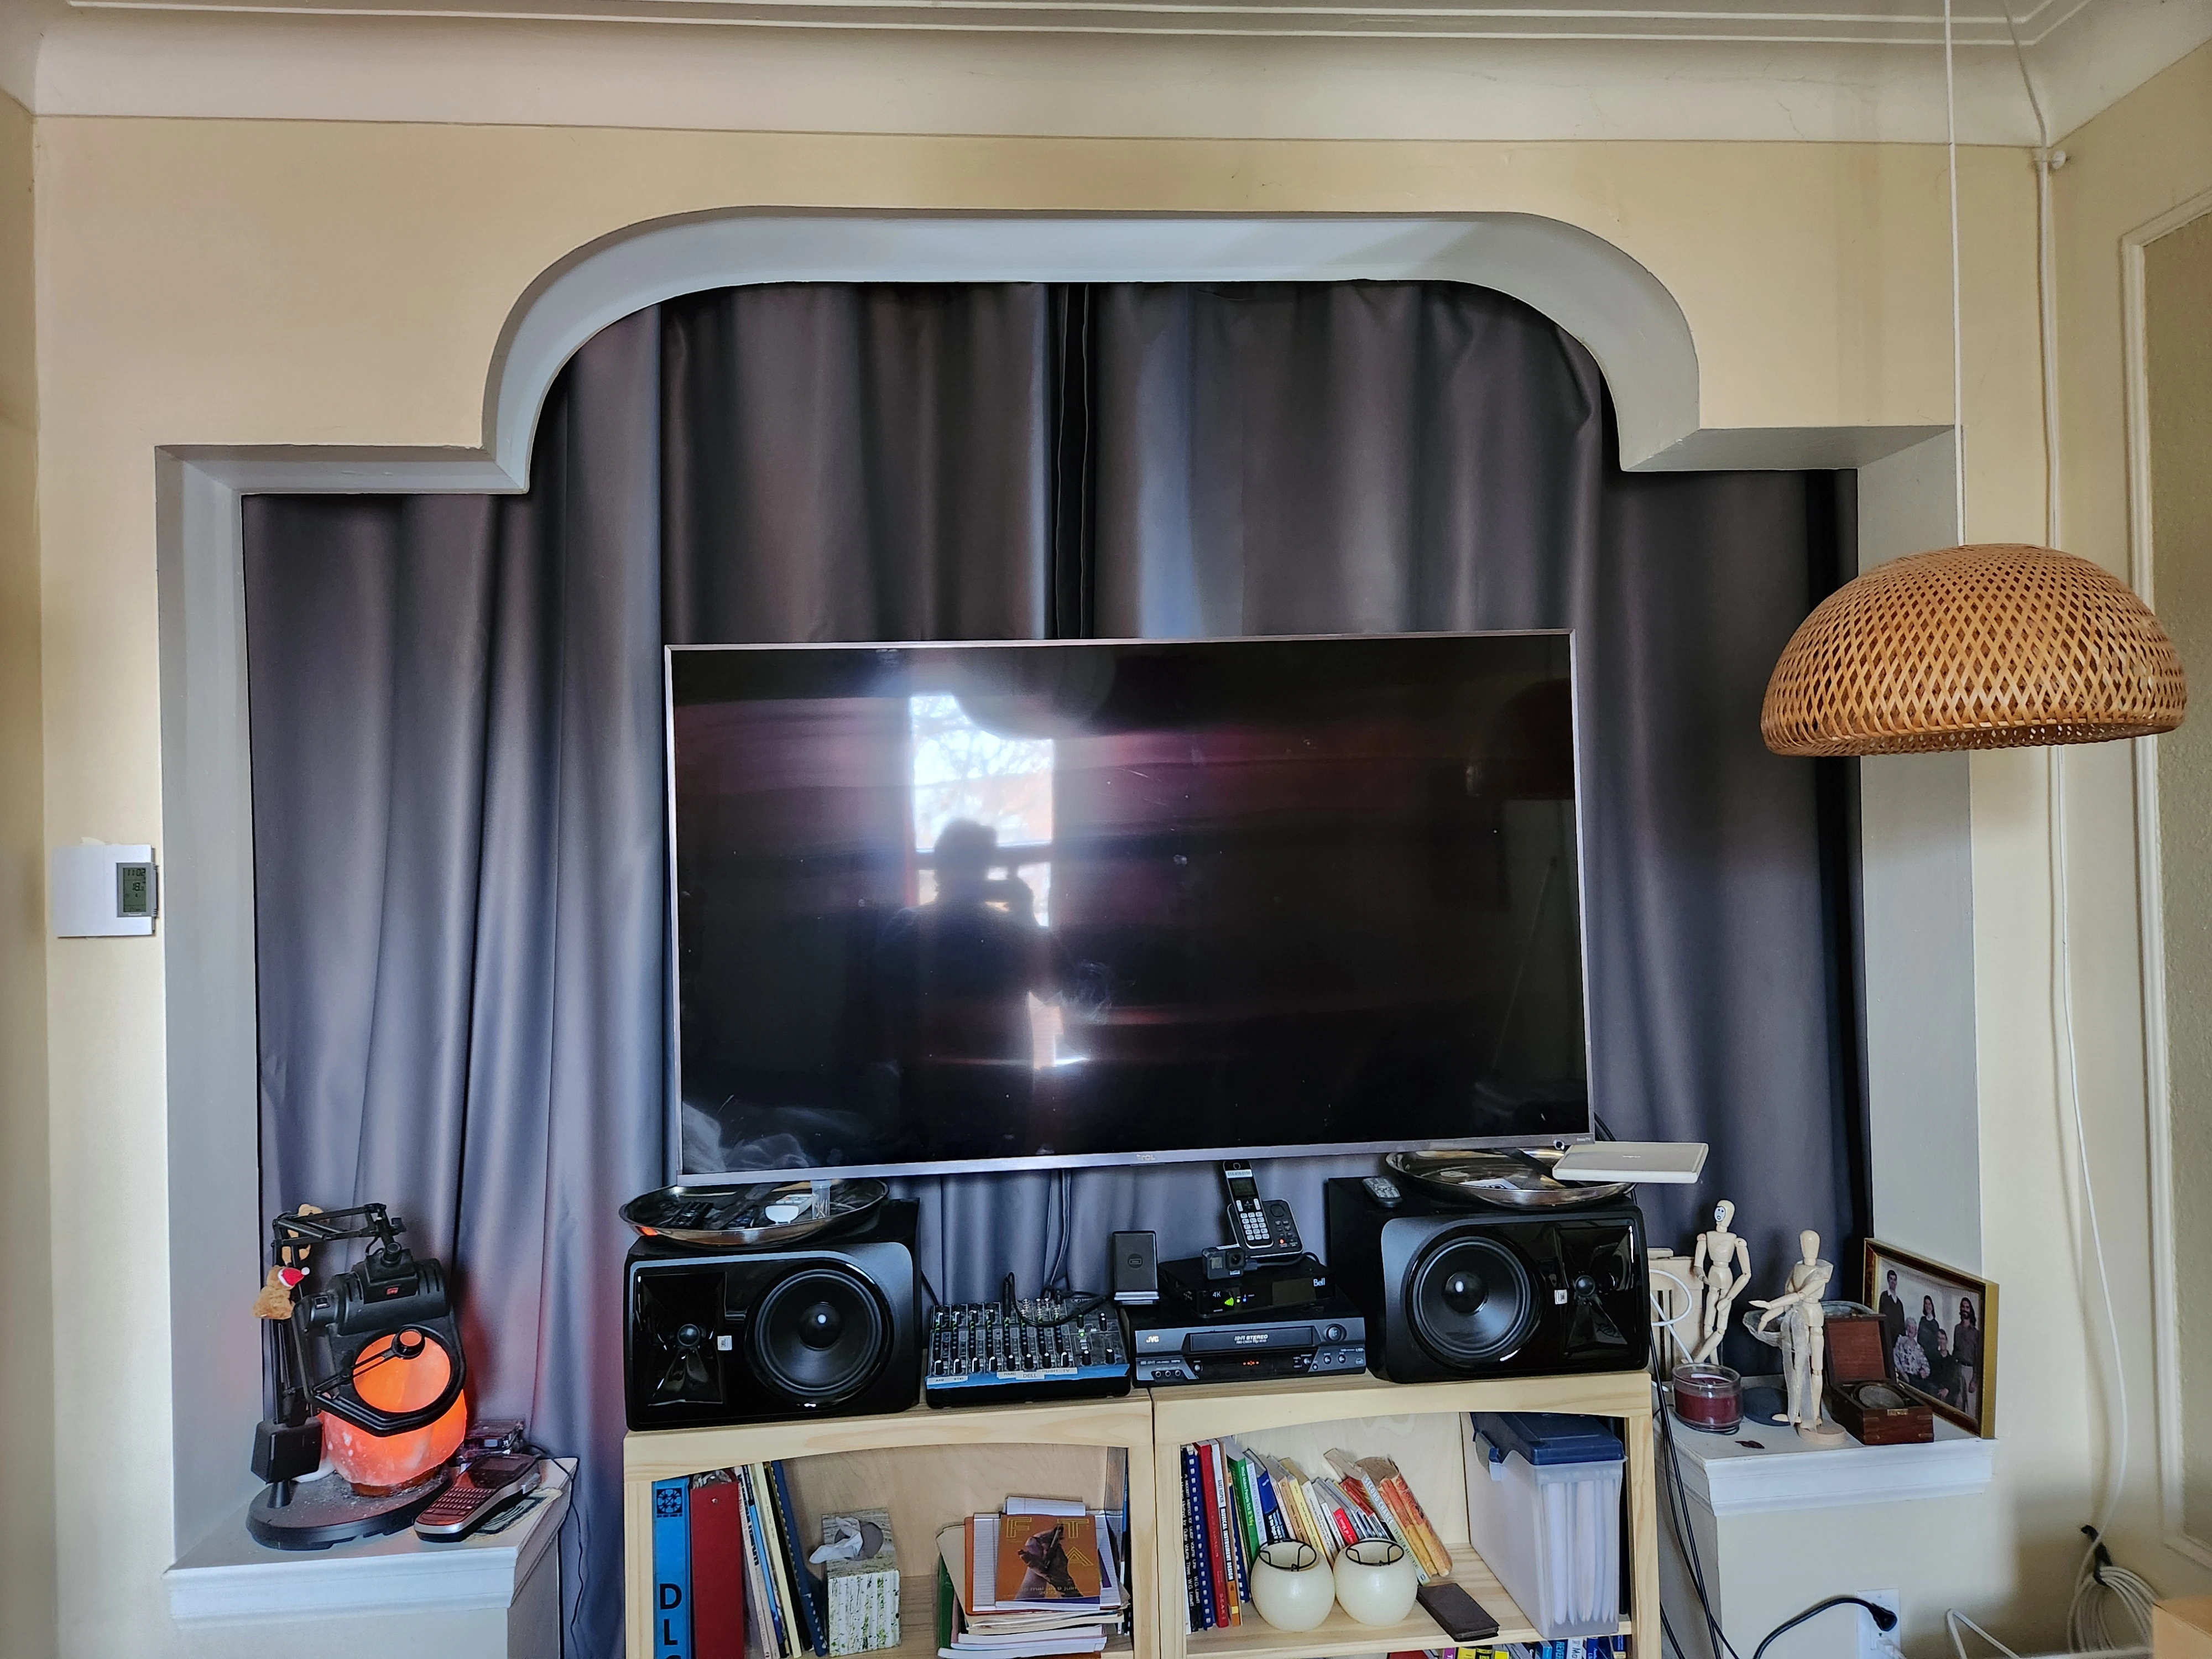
x=1201 y=1555
x=778 y=1644
x=948 y=1625
x=1290 y=1486
x=1272 y=1519
x=760 y=1629
x=1047 y=1560
x=794 y=1553
x=1193 y=1615
x=1232 y=1552
x=718 y=1569
x=1248 y=1520
x=1014 y=1632
x=778 y=1550
x=1217 y=1538
x=672 y=1568
x=1381 y=1486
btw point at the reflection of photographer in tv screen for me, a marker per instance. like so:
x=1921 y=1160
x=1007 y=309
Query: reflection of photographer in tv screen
x=959 y=971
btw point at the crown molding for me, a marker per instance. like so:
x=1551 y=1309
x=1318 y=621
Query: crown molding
x=1758 y=22
x=1730 y=70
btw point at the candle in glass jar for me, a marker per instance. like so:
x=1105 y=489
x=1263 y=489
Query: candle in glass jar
x=1708 y=1398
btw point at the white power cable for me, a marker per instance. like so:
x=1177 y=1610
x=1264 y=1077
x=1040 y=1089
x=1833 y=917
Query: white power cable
x=2086 y=1629
x=1672 y=1326
x=2047 y=162
x=2116 y=1470
x=1958 y=342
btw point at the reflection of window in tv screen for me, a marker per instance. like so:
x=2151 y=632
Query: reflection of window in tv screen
x=958 y=905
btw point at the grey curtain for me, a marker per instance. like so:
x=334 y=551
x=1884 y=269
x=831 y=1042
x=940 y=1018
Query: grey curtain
x=459 y=894
x=457 y=759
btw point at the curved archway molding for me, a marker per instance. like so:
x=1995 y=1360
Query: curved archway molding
x=1607 y=301
x=1619 y=309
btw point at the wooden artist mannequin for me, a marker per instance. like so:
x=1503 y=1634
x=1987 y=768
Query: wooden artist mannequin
x=1722 y=1267
x=1803 y=1341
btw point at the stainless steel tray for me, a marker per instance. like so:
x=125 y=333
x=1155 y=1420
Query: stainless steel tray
x=740 y=1217
x=1511 y=1180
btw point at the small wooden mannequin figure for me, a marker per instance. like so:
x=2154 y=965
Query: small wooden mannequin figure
x=1803 y=1341
x=1721 y=1264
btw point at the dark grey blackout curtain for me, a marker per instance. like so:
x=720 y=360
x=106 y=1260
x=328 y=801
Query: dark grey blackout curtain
x=460 y=897
x=457 y=766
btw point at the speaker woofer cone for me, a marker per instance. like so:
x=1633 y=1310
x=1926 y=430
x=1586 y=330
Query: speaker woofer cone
x=819 y=1336
x=1469 y=1298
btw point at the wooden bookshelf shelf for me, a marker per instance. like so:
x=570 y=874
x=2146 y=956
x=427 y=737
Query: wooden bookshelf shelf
x=1338 y=1633
x=930 y=1467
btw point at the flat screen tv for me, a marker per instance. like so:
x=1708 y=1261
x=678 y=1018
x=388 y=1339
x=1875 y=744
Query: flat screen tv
x=969 y=906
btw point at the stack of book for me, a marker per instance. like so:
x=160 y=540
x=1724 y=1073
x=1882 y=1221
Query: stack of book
x=1236 y=1501
x=749 y=1569
x=1039 y=1577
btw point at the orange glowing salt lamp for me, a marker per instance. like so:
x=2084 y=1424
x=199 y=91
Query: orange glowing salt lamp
x=395 y=1378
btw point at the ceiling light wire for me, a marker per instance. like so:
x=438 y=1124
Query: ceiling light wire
x=1958 y=345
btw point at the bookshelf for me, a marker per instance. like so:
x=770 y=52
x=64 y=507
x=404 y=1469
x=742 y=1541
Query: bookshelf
x=929 y=1468
x=1418 y=1424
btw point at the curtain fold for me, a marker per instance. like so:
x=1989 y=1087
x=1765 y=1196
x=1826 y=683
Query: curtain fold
x=457 y=741
x=1400 y=457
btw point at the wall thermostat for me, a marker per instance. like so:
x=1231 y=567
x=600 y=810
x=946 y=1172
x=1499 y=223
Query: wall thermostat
x=102 y=890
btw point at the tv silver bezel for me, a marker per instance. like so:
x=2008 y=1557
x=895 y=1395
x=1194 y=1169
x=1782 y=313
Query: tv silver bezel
x=673 y=1107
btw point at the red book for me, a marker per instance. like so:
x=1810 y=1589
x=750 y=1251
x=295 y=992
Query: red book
x=1221 y=1578
x=718 y=1572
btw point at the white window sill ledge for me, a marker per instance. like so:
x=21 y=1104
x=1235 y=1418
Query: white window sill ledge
x=227 y=1577
x=1728 y=1478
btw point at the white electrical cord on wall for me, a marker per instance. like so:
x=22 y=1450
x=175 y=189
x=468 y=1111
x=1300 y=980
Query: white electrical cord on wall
x=2099 y=1577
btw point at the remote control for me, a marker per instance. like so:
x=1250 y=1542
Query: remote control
x=1384 y=1191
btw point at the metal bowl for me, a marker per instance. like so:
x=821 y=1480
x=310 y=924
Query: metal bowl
x=1510 y=1179
x=740 y=1217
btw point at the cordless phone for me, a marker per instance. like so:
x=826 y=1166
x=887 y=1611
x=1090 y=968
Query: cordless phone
x=1262 y=1227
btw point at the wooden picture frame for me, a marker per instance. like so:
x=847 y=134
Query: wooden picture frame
x=1966 y=1396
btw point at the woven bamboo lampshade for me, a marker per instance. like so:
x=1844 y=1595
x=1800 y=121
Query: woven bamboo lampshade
x=1996 y=645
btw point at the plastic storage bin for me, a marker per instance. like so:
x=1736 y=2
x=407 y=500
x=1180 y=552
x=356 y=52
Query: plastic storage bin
x=1543 y=1507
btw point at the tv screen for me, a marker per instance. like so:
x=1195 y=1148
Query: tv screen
x=943 y=906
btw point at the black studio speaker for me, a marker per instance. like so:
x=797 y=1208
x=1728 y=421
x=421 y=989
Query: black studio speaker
x=827 y=1326
x=1462 y=1290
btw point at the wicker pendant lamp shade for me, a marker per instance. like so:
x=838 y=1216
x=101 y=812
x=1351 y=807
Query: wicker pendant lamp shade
x=1996 y=645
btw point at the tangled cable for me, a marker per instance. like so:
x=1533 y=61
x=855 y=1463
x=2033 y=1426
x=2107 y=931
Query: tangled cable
x=2100 y=1583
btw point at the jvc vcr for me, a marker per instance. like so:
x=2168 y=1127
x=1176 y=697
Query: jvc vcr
x=1168 y=1344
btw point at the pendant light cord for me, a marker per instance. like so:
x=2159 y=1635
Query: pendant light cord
x=2048 y=160
x=1958 y=344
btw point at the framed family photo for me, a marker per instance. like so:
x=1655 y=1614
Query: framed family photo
x=1939 y=1333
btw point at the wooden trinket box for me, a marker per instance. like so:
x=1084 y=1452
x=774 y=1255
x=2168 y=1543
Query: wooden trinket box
x=1861 y=1397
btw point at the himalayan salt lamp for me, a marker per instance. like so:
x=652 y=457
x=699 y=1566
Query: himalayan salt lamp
x=374 y=1462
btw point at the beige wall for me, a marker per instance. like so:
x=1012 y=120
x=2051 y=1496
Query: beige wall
x=222 y=282
x=26 y=1378
x=2178 y=352
x=2138 y=160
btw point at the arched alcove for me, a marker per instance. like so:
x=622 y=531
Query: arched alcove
x=1617 y=307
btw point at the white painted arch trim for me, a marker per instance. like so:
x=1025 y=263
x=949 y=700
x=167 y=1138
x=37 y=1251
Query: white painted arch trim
x=1618 y=310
